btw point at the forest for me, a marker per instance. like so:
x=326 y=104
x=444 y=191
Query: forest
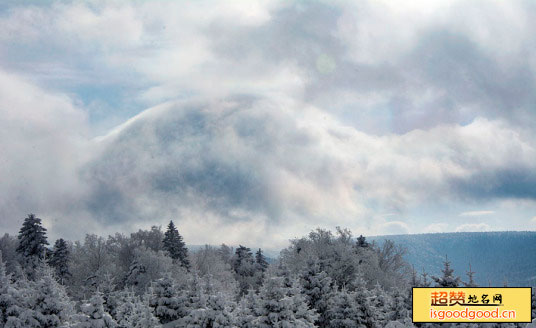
x=151 y=279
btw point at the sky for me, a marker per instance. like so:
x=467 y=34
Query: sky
x=254 y=122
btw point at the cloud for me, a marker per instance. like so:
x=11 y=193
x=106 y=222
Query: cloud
x=436 y=228
x=476 y=213
x=395 y=228
x=265 y=119
x=473 y=227
x=43 y=138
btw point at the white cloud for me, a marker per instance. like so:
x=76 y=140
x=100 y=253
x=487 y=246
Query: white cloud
x=476 y=213
x=394 y=228
x=345 y=110
x=436 y=228
x=43 y=139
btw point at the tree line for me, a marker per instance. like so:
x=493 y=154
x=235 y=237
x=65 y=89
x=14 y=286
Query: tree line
x=151 y=279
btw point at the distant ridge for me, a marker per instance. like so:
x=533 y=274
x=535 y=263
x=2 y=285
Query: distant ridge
x=496 y=257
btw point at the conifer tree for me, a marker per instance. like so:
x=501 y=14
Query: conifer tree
x=7 y=299
x=470 y=275
x=94 y=316
x=134 y=312
x=380 y=302
x=175 y=246
x=345 y=312
x=32 y=241
x=59 y=260
x=424 y=279
x=245 y=313
x=317 y=288
x=50 y=302
x=219 y=312
x=168 y=305
x=244 y=267
x=448 y=279
x=364 y=307
x=281 y=306
x=260 y=259
x=400 y=309
x=135 y=271
x=362 y=242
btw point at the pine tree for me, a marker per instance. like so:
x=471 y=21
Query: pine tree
x=135 y=271
x=168 y=305
x=32 y=242
x=318 y=288
x=424 y=279
x=59 y=260
x=41 y=304
x=7 y=299
x=134 y=312
x=245 y=313
x=343 y=311
x=400 y=309
x=364 y=307
x=448 y=279
x=244 y=267
x=470 y=275
x=195 y=303
x=94 y=316
x=50 y=302
x=380 y=302
x=219 y=312
x=260 y=259
x=175 y=246
x=362 y=242
x=280 y=306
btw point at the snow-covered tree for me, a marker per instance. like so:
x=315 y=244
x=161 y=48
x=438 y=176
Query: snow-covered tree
x=219 y=311
x=166 y=302
x=150 y=239
x=134 y=312
x=8 y=304
x=42 y=303
x=210 y=266
x=281 y=306
x=53 y=306
x=260 y=260
x=32 y=241
x=448 y=279
x=245 y=313
x=317 y=288
x=135 y=274
x=380 y=301
x=245 y=268
x=400 y=309
x=362 y=242
x=94 y=316
x=175 y=246
x=59 y=260
x=207 y=308
x=344 y=312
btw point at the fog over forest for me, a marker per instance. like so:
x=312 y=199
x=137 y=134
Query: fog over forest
x=262 y=163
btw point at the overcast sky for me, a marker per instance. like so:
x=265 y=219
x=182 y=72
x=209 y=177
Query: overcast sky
x=256 y=121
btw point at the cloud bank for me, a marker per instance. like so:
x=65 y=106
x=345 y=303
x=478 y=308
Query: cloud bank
x=267 y=119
